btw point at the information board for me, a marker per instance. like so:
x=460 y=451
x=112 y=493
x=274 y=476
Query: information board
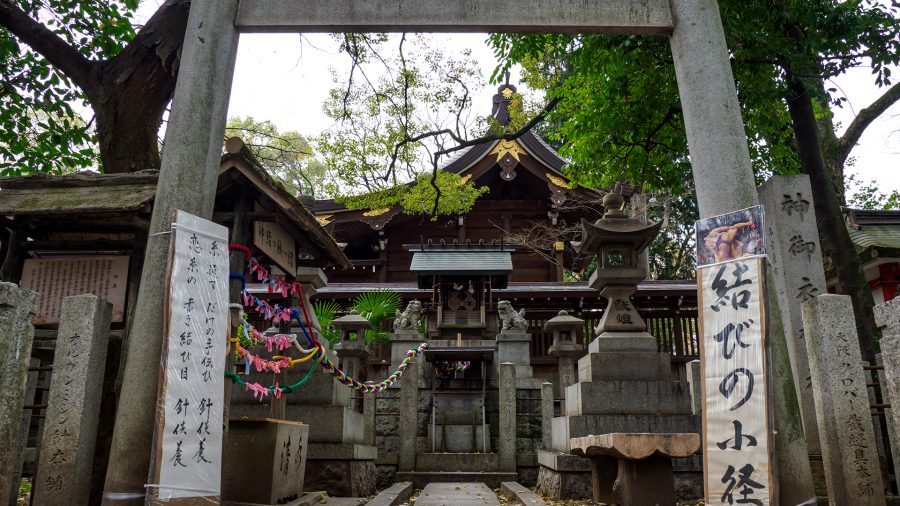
x=189 y=412
x=56 y=278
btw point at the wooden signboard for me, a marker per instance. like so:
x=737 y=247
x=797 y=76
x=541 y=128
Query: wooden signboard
x=277 y=244
x=736 y=451
x=188 y=440
x=57 y=278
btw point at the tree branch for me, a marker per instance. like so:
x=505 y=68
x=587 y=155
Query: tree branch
x=49 y=45
x=865 y=117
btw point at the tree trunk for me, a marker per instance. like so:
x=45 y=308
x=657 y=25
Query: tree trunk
x=831 y=225
x=137 y=86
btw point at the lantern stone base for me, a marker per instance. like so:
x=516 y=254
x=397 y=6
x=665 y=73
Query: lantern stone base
x=342 y=470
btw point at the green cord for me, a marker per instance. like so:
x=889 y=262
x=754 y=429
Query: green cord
x=285 y=389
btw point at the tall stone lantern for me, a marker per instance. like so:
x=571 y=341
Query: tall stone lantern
x=566 y=345
x=618 y=242
x=352 y=350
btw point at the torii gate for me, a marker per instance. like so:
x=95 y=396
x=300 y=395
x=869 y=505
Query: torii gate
x=718 y=145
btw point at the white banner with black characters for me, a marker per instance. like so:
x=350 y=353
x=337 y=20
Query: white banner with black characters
x=736 y=456
x=189 y=415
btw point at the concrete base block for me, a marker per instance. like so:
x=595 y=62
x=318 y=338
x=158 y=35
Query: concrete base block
x=341 y=478
x=625 y=365
x=632 y=397
x=277 y=450
x=562 y=485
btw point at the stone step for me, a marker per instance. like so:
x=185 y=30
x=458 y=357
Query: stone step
x=517 y=494
x=429 y=462
x=422 y=479
x=392 y=496
x=457 y=494
x=628 y=397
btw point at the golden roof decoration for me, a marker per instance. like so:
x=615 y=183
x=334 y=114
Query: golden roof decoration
x=324 y=219
x=507 y=93
x=465 y=179
x=557 y=181
x=376 y=212
x=505 y=147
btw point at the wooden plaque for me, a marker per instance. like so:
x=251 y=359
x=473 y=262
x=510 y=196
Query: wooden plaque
x=56 y=278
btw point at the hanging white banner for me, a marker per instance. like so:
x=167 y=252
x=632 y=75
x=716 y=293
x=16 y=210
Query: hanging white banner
x=189 y=413
x=736 y=452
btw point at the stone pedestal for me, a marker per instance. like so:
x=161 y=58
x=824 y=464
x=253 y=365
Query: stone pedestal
x=624 y=386
x=70 y=429
x=17 y=305
x=887 y=317
x=401 y=342
x=514 y=347
x=264 y=461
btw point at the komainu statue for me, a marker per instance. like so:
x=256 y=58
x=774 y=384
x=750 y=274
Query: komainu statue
x=509 y=318
x=409 y=318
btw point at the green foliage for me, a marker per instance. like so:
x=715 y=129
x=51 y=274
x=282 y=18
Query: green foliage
x=458 y=195
x=287 y=155
x=379 y=307
x=673 y=254
x=869 y=196
x=620 y=115
x=396 y=111
x=39 y=106
x=325 y=311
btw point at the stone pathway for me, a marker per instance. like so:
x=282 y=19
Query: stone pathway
x=463 y=494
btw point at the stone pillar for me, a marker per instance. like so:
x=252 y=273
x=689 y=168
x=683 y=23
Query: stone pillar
x=369 y=401
x=70 y=429
x=409 y=414
x=693 y=378
x=187 y=181
x=849 y=451
x=507 y=427
x=546 y=415
x=17 y=305
x=792 y=242
x=887 y=318
x=790 y=457
x=720 y=158
x=30 y=390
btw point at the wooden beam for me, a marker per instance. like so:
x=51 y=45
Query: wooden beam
x=614 y=17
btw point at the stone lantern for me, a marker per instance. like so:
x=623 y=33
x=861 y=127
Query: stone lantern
x=566 y=345
x=618 y=242
x=352 y=350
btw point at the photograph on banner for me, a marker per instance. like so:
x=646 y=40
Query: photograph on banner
x=730 y=236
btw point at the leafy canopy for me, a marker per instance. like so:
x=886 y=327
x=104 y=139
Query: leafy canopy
x=39 y=106
x=619 y=117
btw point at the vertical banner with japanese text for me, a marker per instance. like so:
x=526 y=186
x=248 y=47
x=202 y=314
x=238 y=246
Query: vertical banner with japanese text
x=732 y=306
x=189 y=414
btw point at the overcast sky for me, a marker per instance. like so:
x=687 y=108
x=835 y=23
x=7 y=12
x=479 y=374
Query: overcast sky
x=286 y=78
